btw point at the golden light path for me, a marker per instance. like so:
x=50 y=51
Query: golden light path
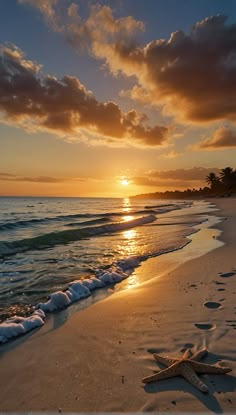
x=130 y=249
x=126 y=205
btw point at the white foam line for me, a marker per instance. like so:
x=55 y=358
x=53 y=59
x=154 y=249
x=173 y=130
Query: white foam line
x=76 y=290
x=16 y=326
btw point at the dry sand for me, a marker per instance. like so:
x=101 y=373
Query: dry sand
x=95 y=360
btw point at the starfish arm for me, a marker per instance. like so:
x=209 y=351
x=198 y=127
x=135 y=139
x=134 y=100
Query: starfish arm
x=170 y=372
x=167 y=361
x=188 y=373
x=204 y=368
x=187 y=354
x=199 y=355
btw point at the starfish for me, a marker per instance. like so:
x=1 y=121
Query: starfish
x=188 y=366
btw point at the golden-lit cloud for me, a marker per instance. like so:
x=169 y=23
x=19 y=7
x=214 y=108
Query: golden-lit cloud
x=65 y=106
x=100 y=28
x=222 y=138
x=191 y=75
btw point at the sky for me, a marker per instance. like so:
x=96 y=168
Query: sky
x=115 y=98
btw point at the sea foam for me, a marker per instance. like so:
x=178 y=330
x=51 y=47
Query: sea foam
x=78 y=289
x=16 y=326
x=75 y=291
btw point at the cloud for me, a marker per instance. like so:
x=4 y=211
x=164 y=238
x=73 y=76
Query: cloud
x=45 y=179
x=47 y=9
x=191 y=75
x=100 y=29
x=191 y=174
x=65 y=106
x=222 y=138
x=40 y=179
x=166 y=184
x=177 y=178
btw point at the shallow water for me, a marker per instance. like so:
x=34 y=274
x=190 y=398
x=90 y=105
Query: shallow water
x=46 y=243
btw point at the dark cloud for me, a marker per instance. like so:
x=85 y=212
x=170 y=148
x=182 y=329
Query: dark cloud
x=65 y=106
x=222 y=138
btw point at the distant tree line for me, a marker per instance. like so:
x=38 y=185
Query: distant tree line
x=221 y=185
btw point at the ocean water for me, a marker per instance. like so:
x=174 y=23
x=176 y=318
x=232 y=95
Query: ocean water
x=55 y=251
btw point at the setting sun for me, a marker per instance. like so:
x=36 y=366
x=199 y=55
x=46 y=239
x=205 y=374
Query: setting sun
x=124 y=182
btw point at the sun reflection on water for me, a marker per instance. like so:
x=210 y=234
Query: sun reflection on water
x=126 y=205
x=129 y=245
x=126 y=218
x=131 y=282
x=130 y=234
x=129 y=248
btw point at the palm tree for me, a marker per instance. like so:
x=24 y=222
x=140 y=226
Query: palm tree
x=234 y=179
x=227 y=177
x=213 y=180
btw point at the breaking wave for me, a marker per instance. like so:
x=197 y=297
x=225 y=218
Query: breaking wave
x=66 y=236
x=46 y=280
x=75 y=291
x=102 y=217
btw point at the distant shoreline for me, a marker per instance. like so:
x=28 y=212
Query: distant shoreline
x=163 y=196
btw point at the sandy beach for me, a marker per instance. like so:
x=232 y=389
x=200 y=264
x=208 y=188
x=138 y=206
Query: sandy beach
x=95 y=359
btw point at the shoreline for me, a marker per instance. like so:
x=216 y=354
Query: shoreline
x=203 y=240
x=88 y=363
x=96 y=285
x=115 y=279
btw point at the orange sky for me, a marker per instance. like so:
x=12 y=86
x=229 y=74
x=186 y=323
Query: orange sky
x=93 y=94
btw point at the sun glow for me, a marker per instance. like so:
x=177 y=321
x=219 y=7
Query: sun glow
x=124 y=182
